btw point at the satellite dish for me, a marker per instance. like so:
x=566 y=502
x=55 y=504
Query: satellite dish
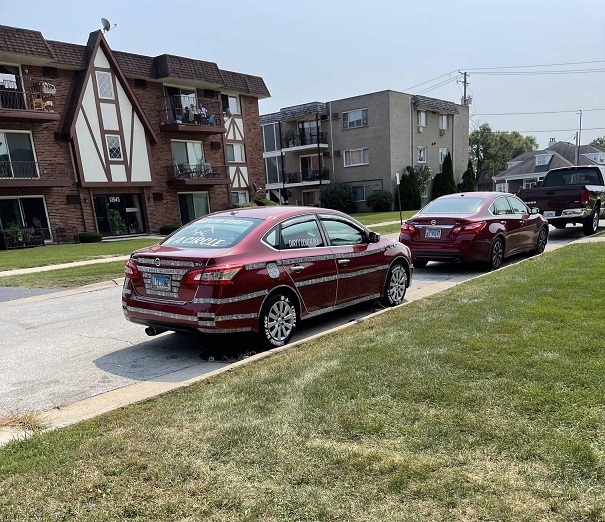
x=106 y=25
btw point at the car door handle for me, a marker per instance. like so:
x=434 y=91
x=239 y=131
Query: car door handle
x=297 y=268
x=503 y=222
x=343 y=261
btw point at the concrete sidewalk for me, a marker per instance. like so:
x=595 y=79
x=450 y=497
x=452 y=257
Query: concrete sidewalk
x=36 y=269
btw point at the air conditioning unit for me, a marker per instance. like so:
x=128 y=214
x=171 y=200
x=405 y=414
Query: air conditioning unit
x=335 y=115
x=337 y=154
x=441 y=132
x=323 y=117
x=420 y=128
x=327 y=154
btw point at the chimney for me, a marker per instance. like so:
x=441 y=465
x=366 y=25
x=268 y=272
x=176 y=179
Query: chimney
x=552 y=141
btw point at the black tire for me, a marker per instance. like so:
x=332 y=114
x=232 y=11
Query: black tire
x=277 y=321
x=420 y=263
x=591 y=223
x=496 y=255
x=559 y=226
x=541 y=241
x=395 y=285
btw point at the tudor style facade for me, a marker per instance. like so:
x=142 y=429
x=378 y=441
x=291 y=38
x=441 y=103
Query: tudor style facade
x=98 y=140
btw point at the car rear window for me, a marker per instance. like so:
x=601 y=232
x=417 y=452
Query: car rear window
x=557 y=178
x=453 y=206
x=212 y=232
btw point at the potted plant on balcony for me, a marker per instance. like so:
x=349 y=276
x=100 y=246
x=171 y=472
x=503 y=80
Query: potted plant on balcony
x=289 y=137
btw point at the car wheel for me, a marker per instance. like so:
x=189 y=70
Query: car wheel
x=541 y=241
x=592 y=222
x=496 y=255
x=420 y=263
x=395 y=285
x=277 y=321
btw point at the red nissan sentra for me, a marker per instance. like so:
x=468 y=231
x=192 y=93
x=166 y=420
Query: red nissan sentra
x=262 y=270
x=474 y=226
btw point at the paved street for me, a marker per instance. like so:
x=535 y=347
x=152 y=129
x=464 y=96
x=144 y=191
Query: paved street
x=63 y=348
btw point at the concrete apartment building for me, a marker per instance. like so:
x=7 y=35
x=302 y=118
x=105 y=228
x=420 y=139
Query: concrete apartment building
x=98 y=140
x=361 y=141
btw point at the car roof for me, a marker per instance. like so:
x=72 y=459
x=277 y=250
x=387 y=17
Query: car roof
x=273 y=212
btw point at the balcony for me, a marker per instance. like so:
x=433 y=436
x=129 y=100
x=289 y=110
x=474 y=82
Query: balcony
x=305 y=141
x=34 y=174
x=182 y=175
x=207 y=118
x=27 y=99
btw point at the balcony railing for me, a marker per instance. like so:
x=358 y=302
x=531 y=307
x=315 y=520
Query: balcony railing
x=307 y=177
x=202 y=172
x=32 y=169
x=203 y=116
x=23 y=93
x=298 y=140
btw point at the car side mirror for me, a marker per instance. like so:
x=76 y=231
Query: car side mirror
x=534 y=210
x=373 y=237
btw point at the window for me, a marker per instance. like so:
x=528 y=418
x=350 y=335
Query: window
x=421 y=155
x=17 y=159
x=114 y=148
x=270 y=137
x=230 y=103
x=301 y=235
x=464 y=205
x=359 y=193
x=179 y=102
x=188 y=159
x=105 y=85
x=518 y=206
x=501 y=207
x=443 y=122
x=543 y=159
x=310 y=198
x=357 y=118
x=340 y=233
x=12 y=95
x=442 y=154
x=273 y=170
x=530 y=183
x=357 y=157
x=308 y=133
x=235 y=153
x=213 y=232
x=24 y=212
x=239 y=196
x=193 y=205
x=421 y=118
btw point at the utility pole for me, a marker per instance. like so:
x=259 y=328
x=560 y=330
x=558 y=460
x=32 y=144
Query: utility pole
x=465 y=83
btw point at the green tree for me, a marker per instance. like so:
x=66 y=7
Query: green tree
x=490 y=151
x=409 y=191
x=599 y=142
x=444 y=181
x=469 y=180
x=423 y=175
x=338 y=197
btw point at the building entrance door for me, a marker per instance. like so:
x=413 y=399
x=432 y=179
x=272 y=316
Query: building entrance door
x=118 y=214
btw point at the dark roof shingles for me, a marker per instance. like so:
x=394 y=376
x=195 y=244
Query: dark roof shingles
x=26 y=42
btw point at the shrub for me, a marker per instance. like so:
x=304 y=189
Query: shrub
x=444 y=181
x=469 y=180
x=168 y=229
x=245 y=204
x=380 y=201
x=410 y=192
x=89 y=237
x=264 y=202
x=338 y=197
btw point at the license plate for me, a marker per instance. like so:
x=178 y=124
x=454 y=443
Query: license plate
x=548 y=213
x=160 y=282
x=432 y=233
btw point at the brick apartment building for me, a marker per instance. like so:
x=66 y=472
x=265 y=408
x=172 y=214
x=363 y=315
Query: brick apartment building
x=361 y=141
x=104 y=141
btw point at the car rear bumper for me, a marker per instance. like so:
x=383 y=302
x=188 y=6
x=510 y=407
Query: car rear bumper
x=460 y=251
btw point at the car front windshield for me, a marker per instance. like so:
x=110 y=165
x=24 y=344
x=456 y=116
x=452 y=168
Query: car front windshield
x=452 y=206
x=212 y=232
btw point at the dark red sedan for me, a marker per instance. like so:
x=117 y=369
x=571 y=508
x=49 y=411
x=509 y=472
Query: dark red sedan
x=474 y=226
x=262 y=270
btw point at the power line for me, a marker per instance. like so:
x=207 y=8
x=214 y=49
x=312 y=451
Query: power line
x=529 y=66
x=537 y=73
x=539 y=112
x=429 y=81
x=564 y=130
x=438 y=85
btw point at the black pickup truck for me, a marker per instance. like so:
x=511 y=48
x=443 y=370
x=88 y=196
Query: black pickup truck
x=570 y=195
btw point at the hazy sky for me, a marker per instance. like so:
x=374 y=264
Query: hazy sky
x=324 y=50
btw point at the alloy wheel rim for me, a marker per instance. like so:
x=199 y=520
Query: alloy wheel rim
x=397 y=285
x=542 y=241
x=281 y=320
x=497 y=254
x=595 y=221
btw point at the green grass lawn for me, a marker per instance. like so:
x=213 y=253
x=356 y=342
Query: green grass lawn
x=485 y=402
x=368 y=218
x=56 y=254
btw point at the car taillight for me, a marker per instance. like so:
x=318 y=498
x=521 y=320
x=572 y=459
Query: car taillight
x=468 y=228
x=217 y=275
x=130 y=270
x=585 y=197
x=408 y=228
